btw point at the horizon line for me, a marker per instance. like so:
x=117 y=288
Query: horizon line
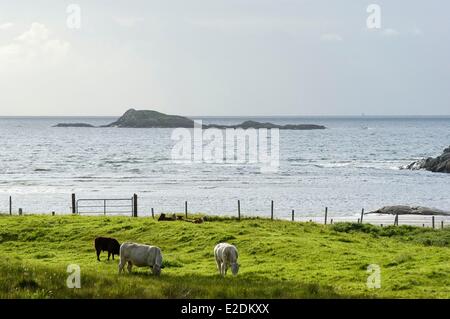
x=238 y=116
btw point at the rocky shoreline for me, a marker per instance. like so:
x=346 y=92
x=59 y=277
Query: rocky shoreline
x=440 y=164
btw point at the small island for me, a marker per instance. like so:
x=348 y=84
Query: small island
x=73 y=125
x=257 y=125
x=150 y=119
x=153 y=119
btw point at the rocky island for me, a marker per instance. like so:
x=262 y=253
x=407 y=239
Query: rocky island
x=256 y=125
x=73 y=125
x=440 y=164
x=149 y=119
x=153 y=119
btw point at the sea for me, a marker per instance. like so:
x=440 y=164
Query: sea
x=353 y=164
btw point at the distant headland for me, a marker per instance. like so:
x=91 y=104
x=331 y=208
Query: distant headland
x=153 y=119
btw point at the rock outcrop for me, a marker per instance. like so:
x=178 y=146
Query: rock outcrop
x=73 y=125
x=409 y=210
x=440 y=164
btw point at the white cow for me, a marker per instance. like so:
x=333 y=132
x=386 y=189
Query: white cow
x=226 y=256
x=140 y=256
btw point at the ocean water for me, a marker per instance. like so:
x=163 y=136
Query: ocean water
x=352 y=164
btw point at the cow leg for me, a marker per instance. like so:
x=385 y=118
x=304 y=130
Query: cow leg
x=223 y=269
x=121 y=265
x=98 y=255
x=109 y=255
x=113 y=256
x=130 y=265
x=219 y=265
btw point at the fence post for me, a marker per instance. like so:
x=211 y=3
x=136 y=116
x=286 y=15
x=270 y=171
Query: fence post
x=135 y=205
x=53 y=213
x=74 y=208
x=326 y=214
x=396 y=220
x=20 y=212
x=442 y=224
x=185 y=209
x=432 y=221
x=359 y=221
x=271 y=210
x=10 y=205
x=292 y=215
x=362 y=215
x=239 y=209
x=153 y=213
x=104 y=207
x=331 y=221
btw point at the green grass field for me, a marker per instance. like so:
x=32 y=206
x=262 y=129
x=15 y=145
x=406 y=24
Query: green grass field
x=278 y=259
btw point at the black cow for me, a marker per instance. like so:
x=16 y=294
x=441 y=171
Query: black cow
x=110 y=245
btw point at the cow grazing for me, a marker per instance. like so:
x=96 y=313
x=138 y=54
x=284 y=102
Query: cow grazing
x=110 y=245
x=226 y=256
x=140 y=256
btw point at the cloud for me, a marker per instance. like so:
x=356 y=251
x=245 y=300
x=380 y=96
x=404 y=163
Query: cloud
x=32 y=44
x=127 y=22
x=331 y=37
x=6 y=25
x=390 y=33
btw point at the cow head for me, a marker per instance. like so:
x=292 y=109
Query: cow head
x=234 y=268
x=156 y=269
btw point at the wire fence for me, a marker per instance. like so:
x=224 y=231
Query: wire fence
x=129 y=207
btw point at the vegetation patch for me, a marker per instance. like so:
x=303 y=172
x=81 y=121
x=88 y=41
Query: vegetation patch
x=278 y=259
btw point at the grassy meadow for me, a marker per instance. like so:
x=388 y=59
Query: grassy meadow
x=279 y=259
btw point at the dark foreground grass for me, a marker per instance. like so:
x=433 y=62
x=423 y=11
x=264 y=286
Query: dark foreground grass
x=278 y=259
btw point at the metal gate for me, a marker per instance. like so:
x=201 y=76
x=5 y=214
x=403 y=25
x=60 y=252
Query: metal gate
x=106 y=206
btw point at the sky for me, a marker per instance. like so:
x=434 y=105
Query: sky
x=225 y=57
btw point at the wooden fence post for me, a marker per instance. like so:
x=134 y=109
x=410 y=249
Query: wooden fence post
x=135 y=205
x=293 y=218
x=239 y=209
x=326 y=214
x=271 y=211
x=442 y=224
x=153 y=213
x=186 y=209
x=20 y=212
x=331 y=221
x=53 y=213
x=10 y=205
x=396 y=220
x=432 y=221
x=74 y=201
x=359 y=221
x=362 y=215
